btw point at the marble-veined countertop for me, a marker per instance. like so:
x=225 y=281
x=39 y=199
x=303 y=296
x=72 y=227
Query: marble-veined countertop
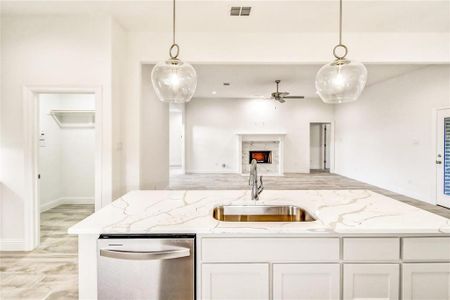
x=336 y=211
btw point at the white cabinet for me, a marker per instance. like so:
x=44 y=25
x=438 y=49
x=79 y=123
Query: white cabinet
x=371 y=281
x=270 y=249
x=235 y=281
x=425 y=281
x=306 y=281
x=371 y=249
x=422 y=249
x=303 y=268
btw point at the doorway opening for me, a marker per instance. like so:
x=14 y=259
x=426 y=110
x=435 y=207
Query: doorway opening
x=65 y=159
x=176 y=139
x=65 y=117
x=320 y=147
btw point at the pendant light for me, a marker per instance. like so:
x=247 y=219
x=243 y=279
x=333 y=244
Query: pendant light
x=341 y=80
x=174 y=81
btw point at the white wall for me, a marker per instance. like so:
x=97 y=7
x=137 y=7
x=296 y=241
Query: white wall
x=212 y=125
x=118 y=105
x=175 y=138
x=226 y=47
x=45 y=51
x=67 y=157
x=154 y=136
x=95 y=51
x=385 y=138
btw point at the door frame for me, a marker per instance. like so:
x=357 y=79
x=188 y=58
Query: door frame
x=434 y=140
x=31 y=154
x=331 y=146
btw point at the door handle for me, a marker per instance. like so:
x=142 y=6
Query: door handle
x=146 y=255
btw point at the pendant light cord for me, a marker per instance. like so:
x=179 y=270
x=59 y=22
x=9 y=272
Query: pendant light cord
x=340 y=22
x=174 y=44
x=173 y=22
x=340 y=45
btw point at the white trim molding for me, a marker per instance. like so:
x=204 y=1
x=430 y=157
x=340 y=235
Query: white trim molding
x=31 y=134
x=332 y=143
x=66 y=200
x=12 y=245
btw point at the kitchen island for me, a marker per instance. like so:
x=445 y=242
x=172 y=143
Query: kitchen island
x=361 y=245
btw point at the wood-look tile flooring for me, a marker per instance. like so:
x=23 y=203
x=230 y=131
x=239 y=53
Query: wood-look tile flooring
x=51 y=270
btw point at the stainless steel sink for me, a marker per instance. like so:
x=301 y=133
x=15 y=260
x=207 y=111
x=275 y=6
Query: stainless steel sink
x=261 y=213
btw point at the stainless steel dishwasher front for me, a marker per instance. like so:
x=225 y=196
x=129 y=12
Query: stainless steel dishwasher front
x=146 y=267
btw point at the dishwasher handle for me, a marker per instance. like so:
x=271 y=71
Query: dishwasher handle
x=146 y=255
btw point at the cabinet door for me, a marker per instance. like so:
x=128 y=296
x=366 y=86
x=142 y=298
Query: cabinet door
x=235 y=281
x=306 y=281
x=371 y=281
x=426 y=281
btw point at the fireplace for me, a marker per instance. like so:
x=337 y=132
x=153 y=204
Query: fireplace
x=266 y=148
x=261 y=156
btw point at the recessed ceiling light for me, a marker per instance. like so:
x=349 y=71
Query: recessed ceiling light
x=213 y=92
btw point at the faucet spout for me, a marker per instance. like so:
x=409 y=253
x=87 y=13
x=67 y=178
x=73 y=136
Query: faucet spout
x=253 y=181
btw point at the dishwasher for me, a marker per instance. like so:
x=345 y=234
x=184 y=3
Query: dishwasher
x=154 y=266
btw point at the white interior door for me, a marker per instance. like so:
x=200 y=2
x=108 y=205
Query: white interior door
x=443 y=157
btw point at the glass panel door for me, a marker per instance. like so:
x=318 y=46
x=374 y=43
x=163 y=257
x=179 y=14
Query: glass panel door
x=443 y=158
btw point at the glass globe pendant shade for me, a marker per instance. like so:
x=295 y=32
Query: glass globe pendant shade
x=174 y=81
x=341 y=81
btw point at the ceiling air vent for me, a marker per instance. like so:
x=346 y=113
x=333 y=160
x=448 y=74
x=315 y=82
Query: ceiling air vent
x=243 y=11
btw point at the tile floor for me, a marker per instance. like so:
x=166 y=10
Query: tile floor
x=50 y=271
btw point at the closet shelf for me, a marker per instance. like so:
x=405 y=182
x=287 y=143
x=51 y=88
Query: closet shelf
x=74 y=118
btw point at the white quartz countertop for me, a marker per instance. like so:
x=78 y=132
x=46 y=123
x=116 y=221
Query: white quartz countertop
x=336 y=211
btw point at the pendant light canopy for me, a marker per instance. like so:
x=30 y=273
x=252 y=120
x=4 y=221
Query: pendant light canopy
x=174 y=81
x=341 y=80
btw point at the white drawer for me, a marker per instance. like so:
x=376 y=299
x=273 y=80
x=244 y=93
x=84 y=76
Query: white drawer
x=431 y=249
x=371 y=249
x=270 y=249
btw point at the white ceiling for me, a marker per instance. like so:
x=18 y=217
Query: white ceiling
x=266 y=16
x=256 y=81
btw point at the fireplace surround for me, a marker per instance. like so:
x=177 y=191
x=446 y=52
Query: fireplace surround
x=268 y=149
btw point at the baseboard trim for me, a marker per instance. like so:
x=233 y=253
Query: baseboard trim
x=12 y=245
x=67 y=200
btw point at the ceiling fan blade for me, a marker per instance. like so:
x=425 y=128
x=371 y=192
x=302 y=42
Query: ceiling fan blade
x=281 y=100
x=294 y=97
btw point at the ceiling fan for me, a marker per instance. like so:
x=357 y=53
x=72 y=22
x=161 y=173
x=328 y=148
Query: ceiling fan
x=281 y=96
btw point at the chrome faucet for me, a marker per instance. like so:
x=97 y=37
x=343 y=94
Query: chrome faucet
x=253 y=181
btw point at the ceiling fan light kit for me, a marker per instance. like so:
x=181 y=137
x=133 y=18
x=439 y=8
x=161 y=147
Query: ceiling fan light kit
x=282 y=96
x=174 y=81
x=341 y=80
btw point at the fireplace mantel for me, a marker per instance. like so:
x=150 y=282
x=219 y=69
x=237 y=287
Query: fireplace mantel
x=262 y=137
